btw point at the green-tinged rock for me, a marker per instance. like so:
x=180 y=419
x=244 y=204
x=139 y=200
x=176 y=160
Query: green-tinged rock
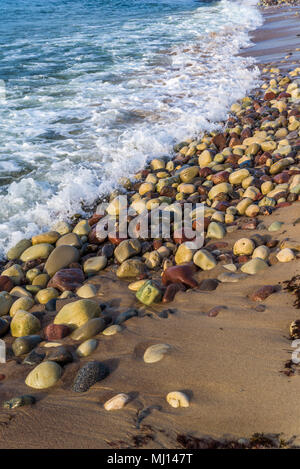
x=69 y=239
x=87 y=291
x=183 y=254
x=77 y=313
x=44 y=375
x=93 y=265
x=39 y=251
x=61 y=257
x=254 y=266
x=275 y=226
x=215 y=231
x=16 y=251
x=204 y=259
x=127 y=249
x=89 y=329
x=131 y=268
x=32 y=273
x=82 y=228
x=24 y=323
x=47 y=294
x=41 y=280
x=6 y=302
x=87 y=348
x=149 y=293
x=15 y=273
x=25 y=344
x=24 y=303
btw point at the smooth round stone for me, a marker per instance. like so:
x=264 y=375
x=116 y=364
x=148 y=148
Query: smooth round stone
x=24 y=323
x=61 y=257
x=20 y=292
x=243 y=205
x=183 y=254
x=93 y=265
x=77 y=313
x=285 y=255
x=188 y=174
x=82 y=228
x=112 y=330
x=66 y=294
x=231 y=277
x=44 y=375
x=62 y=227
x=243 y=246
x=33 y=289
x=24 y=303
x=156 y=352
x=146 y=187
x=32 y=273
x=60 y=355
x=178 y=399
x=50 y=237
x=135 y=286
x=117 y=402
x=254 y=266
x=16 y=251
x=215 y=231
x=25 y=344
x=39 y=251
x=275 y=226
x=88 y=375
x=89 y=329
x=6 y=302
x=252 y=210
x=126 y=249
x=208 y=284
x=70 y=239
x=15 y=273
x=87 y=348
x=4 y=327
x=219 y=188
x=56 y=331
x=45 y=295
x=238 y=176
x=204 y=259
x=41 y=280
x=131 y=268
x=87 y=291
x=19 y=401
x=262 y=252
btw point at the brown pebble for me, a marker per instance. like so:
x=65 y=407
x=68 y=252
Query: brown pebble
x=171 y=291
x=262 y=293
x=212 y=313
x=180 y=274
x=2 y=377
x=56 y=331
x=6 y=284
x=260 y=308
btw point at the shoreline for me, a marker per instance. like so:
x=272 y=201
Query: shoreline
x=235 y=360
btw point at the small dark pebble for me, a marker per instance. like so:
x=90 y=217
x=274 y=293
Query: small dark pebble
x=260 y=308
x=4 y=326
x=163 y=314
x=38 y=314
x=122 y=317
x=89 y=374
x=34 y=358
x=208 y=285
x=60 y=355
x=51 y=305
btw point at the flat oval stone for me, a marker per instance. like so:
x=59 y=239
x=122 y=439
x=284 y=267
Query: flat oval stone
x=88 y=375
x=25 y=344
x=254 y=266
x=61 y=257
x=117 y=402
x=156 y=352
x=122 y=317
x=112 y=330
x=44 y=375
x=19 y=401
x=50 y=237
x=178 y=399
x=6 y=302
x=93 y=265
x=87 y=291
x=67 y=279
x=89 y=329
x=180 y=274
x=262 y=293
x=24 y=303
x=39 y=251
x=87 y=347
x=70 y=239
x=16 y=251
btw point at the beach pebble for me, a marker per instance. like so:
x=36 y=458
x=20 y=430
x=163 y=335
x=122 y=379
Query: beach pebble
x=243 y=246
x=208 y=284
x=131 y=268
x=77 y=313
x=20 y=292
x=45 y=295
x=25 y=344
x=87 y=291
x=112 y=330
x=117 y=402
x=44 y=375
x=285 y=255
x=16 y=251
x=19 y=401
x=50 y=237
x=88 y=375
x=156 y=352
x=149 y=293
x=254 y=266
x=178 y=399
x=6 y=302
x=152 y=259
x=275 y=226
x=204 y=259
x=122 y=317
x=183 y=274
x=230 y=267
x=262 y=293
x=126 y=249
x=34 y=358
x=261 y=252
x=6 y=283
x=82 y=228
x=87 y=348
x=67 y=279
x=215 y=230
x=40 y=280
x=24 y=324
x=56 y=331
x=39 y=251
x=61 y=257
x=60 y=355
x=231 y=277
x=15 y=273
x=89 y=329
x=295 y=329
x=4 y=327
x=135 y=286
x=62 y=227
x=70 y=239
x=94 y=265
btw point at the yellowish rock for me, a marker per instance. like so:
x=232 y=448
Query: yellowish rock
x=254 y=266
x=285 y=255
x=50 y=237
x=77 y=313
x=183 y=254
x=204 y=259
x=39 y=251
x=24 y=323
x=243 y=246
x=24 y=303
x=178 y=399
x=262 y=252
x=15 y=273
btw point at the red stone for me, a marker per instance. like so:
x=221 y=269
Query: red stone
x=94 y=237
x=251 y=225
x=220 y=141
x=183 y=236
x=222 y=206
x=214 y=311
x=263 y=293
x=204 y=172
x=234 y=141
x=242 y=259
x=281 y=178
x=94 y=219
x=67 y=279
x=246 y=133
x=171 y=291
x=6 y=284
x=262 y=159
x=115 y=239
x=233 y=159
x=56 y=331
x=221 y=176
x=157 y=243
x=180 y=274
x=168 y=192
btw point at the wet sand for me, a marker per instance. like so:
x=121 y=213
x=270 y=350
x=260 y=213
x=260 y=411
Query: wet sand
x=231 y=365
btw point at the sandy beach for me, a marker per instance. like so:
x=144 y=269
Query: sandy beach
x=233 y=364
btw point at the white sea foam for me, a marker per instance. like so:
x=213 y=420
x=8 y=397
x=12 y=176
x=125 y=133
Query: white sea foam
x=76 y=137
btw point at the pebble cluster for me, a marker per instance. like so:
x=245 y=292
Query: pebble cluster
x=240 y=173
